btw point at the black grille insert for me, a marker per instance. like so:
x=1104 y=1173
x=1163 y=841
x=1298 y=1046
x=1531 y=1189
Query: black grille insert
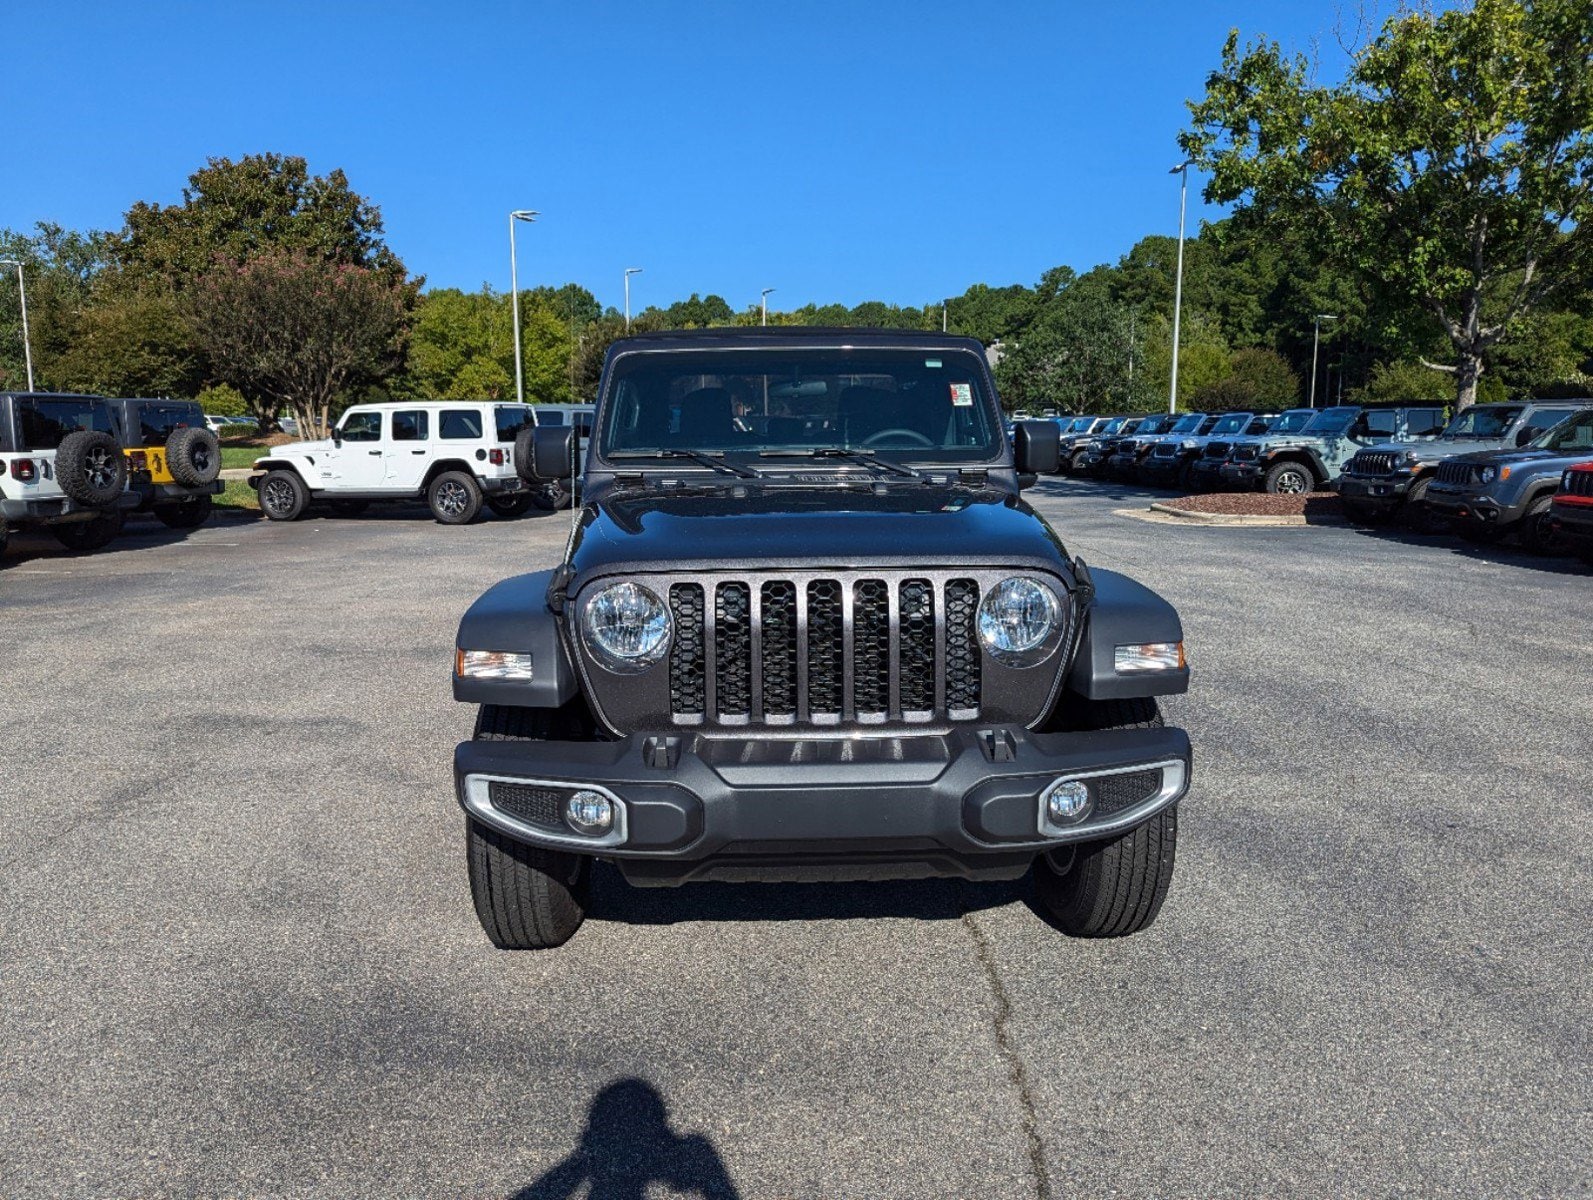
x=1454 y=472
x=1117 y=793
x=686 y=674
x=1373 y=462
x=779 y=649
x=962 y=650
x=733 y=651
x=916 y=647
x=1579 y=483
x=826 y=650
x=527 y=802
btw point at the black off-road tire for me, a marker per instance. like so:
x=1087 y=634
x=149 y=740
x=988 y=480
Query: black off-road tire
x=1076 y=463
x=84 y=536
x=190 y=514
x=527 y=898
x=193 y=456
x=1279 y=476
x=283 y=496
x=1533 y=530
x=511 y=506
x=454 y=498
x=1414 y=514
x=1114 y=887
x=349 y=508
x=1366 y=514
x=523 y=456
x=552 y=495
x=91 y=468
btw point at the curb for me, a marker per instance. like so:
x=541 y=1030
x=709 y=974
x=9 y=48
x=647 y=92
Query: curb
x=238 y=473
x=1235 y=519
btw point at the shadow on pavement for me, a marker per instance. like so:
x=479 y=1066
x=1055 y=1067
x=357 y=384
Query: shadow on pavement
x=627 y=1147
x=1503 y=553
x=922 y=899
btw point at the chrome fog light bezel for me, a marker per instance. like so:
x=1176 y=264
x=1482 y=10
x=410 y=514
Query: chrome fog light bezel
x=1175 y=781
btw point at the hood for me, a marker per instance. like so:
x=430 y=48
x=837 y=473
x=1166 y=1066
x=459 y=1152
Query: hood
x=1508 y=457
x=301 y=447
x=1433 y=449
x=830 y=527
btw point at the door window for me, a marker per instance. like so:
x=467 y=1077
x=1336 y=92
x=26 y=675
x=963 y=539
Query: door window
x=1426 y=422
x=1374 y=426
x=410 y=426
x=362 y=427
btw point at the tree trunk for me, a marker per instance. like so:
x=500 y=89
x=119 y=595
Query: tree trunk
x=1467 y=372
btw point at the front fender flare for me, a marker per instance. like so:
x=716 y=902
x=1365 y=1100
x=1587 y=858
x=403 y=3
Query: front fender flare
x=513 y=616
x=1123 y=612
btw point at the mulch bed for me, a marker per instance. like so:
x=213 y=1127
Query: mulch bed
x=1260 y=504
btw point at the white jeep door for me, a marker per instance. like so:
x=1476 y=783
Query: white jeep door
x=410 y=450
x=359 y=463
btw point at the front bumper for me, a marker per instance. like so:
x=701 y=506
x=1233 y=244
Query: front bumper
x=1468 y=506
x=1205 y=473
x=1123 y=465
x=1241 y=475
x=1374 y=491
x=965 y=803
x=1152 y=467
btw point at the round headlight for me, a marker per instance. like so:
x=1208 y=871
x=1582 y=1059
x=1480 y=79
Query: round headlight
x=626 y=627
x=1487 y=474
x=1017 y=620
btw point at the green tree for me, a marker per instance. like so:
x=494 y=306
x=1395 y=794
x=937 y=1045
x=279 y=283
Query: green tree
x=232 y=211
x=1074 y=357
x=60 y=267
x=454 y=330
x=130 y=341
x=289 y=329
x=1254 y=379
x=1450 y=169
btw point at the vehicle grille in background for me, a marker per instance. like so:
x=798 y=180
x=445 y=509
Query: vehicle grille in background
x=1373 y=462
x=1218 y=449
x=796 y=668
x=1245 y=453
x=1579 y=483
x=1454 y=472
x=1166 y=450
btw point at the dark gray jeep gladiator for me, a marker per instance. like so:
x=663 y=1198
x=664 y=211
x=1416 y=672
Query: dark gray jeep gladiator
x=806 y=628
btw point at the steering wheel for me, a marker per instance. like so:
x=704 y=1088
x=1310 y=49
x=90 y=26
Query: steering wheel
x=913 y=434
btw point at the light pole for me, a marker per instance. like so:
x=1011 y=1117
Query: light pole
x=22 y=292
x=944 y=304
x=1316 y=340
x=527 y=215
x=1178 y=287
x=629 y=271
x=764 y=302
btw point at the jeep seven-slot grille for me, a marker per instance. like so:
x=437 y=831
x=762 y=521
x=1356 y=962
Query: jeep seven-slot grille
x=1244 y=453
x=1579 y=483
x=1218 y=449
x=1167 y=450
x=1454 y=472
x=1373 y=462
x=914 y=651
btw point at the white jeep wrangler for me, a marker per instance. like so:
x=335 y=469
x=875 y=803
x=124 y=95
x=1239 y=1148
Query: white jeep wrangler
x=457 y=455
x=62 y=468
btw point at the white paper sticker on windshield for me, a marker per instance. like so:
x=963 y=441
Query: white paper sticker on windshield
x=962 y=395
x=933 y=363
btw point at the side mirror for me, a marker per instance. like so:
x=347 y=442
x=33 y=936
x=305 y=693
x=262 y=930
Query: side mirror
x=337 y=436
x=1036 y=447
x=552 y=452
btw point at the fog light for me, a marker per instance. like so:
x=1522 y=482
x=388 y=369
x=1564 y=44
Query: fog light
x=590 y=813
x=1067 y=801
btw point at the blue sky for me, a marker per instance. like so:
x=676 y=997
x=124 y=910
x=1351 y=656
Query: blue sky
x=833 y=151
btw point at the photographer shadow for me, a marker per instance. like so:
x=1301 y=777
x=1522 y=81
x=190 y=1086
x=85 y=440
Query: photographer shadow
x=627 y=1147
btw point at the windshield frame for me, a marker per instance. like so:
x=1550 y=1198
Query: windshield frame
x=1577 y=420
x=1339 y=429
x=1243 y=420
x=997 y=454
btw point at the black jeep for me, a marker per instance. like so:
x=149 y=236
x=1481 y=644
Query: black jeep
x=807 y=629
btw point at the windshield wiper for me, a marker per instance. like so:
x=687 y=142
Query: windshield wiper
x=867 y=458
x=704 y=460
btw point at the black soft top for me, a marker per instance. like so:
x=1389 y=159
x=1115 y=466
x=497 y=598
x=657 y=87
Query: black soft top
x=789 y=337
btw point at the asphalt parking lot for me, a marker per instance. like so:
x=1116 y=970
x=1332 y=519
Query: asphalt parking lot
x=238 y=956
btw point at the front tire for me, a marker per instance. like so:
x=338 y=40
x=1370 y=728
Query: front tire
x=283 y=496
x=1289 y=479
x=1115 y=887
x=1535 y=535
x=455 y=498
x=526 y=898
x=1415 y=516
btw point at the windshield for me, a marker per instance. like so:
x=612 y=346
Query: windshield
x=930 y=406
x=1189 y=424
x=1112 y=426
x=1292 y=421
x=1155 y=425
x=1488 y=422
x=1329 y=420
x=157 y=422
x=1571 y=437
x=1081 y=425
x=1232 y=423
x=42 y=424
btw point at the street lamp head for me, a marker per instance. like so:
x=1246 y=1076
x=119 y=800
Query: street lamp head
x=1183 y=166
x=525 y=214
x=1327 y=316
x=766 y=291
x=633 y=270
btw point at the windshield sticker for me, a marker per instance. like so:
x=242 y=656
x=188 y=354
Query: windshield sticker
x=962 y=395
x=932 y=363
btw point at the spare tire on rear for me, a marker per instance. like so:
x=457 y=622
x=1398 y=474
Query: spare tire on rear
x=90 y=467
x=523 y=453
x=193 y=456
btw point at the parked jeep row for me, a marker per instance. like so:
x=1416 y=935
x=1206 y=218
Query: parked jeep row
x=1492 y=472
x=74 y=465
